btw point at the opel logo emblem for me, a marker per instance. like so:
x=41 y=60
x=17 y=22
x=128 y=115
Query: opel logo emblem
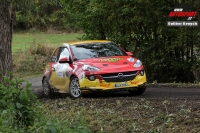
x=120 y=75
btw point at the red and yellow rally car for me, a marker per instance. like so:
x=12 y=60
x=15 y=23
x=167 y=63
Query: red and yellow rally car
x=92 y=66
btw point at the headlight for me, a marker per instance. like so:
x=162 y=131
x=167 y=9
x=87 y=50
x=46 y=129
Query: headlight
x=138 y=63
x=90 y=68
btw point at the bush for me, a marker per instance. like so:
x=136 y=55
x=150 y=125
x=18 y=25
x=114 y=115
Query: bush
x=32 y=60
x=19 y=112
x=18 y=105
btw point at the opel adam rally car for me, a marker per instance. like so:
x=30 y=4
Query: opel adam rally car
x=92 y=66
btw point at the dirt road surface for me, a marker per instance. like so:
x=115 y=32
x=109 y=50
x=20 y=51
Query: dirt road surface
x=152 y=92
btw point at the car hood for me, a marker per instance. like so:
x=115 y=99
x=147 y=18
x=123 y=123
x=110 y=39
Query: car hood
x=111 y=64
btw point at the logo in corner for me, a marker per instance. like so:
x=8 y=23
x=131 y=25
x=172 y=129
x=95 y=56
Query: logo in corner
x=183 y=15
x=178 y=12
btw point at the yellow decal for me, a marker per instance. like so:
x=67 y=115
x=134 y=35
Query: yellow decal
x=111 y=59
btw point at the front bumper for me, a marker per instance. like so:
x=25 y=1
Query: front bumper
x=102 y=85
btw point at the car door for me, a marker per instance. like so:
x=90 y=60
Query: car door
x=60 y=71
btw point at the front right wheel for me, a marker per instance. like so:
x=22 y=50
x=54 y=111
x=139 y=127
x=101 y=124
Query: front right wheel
x=74 y=88
x=138 y=91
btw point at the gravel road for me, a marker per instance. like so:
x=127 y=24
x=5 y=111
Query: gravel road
x=152 y=92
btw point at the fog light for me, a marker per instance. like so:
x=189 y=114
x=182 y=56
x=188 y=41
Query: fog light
x=141 y=73
x=92 y=77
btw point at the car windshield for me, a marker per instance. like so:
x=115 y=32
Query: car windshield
x=96 y=50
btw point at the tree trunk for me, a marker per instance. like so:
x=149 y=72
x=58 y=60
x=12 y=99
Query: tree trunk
x=6 y=30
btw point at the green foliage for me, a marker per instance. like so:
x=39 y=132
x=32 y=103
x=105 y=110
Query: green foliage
x=40 y=50
x=140 y=27
x=17 y=105
x=32 y=60
x=41 y=14
x=21 y=112
x=168 y=53
x=79 y=127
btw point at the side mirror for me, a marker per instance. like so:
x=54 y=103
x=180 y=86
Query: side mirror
x=64 y=60
x=129 y=53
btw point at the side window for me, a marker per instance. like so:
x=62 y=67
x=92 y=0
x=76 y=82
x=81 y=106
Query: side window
x=64 y=53
x=54 y=57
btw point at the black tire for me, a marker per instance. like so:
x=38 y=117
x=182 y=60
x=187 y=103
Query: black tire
x=74 y=88
x=47 y=90
x=137 y=91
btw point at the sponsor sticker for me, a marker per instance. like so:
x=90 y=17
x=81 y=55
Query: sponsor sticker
x=60 y=74
x=104 y=85
x=60 y=70
x=81 y=75
x=111 y=59
x=134 y=82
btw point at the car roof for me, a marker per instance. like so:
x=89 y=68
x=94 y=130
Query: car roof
x=87 y=41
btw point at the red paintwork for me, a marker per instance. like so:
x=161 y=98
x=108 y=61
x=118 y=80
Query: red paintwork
x=111 y=66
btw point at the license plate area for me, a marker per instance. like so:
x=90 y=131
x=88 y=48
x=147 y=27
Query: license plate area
x=121 y=84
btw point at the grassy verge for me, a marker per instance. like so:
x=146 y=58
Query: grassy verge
x=31 y=51
x=126 y=114
x=22 y=41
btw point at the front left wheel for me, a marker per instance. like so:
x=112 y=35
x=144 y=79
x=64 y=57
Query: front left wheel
x=74 y=88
